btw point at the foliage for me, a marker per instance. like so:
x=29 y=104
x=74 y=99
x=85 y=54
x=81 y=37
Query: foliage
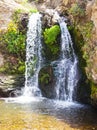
x=77 y=10
x=82 y=35
x=13 y=68
x=15 y=40
x=86 y=30
x=44 y=78
x=93 y=90
x=50 y=38
x=13 y=45
x=51 y=34
x=16 y=15
x=33 y=10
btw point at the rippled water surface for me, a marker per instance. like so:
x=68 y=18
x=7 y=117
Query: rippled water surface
x=44 y=114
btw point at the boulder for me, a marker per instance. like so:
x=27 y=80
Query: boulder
x=47 y=82
x=10 y=86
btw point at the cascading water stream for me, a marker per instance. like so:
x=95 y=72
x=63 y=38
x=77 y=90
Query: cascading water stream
x=33 y=56
x=65 y=69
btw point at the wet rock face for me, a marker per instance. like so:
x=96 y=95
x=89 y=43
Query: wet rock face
x=49 y=18
x=46 y=82
x=10 y=86
x=23 y=22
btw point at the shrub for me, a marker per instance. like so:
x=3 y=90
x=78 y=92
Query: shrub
x=15 y=40
x=13 y=47
x=77 y=10
x=86 y=30
x=50 y=38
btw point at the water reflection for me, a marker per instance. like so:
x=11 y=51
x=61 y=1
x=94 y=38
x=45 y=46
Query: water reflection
x=47 y=115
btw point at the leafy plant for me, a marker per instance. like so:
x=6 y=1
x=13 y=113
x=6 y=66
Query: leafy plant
x=45 y=78
x=15 y=40
x=50 y=38
x=13 y=45
x=16 y=15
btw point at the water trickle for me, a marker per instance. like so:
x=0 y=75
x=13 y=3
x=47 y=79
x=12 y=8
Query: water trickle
x=33 y=56
x=65 y=69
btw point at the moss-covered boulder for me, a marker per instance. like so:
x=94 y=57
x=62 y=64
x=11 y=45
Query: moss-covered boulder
x=47 y=82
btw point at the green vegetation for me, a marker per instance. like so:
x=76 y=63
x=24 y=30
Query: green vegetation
x=25 y=5
x=94 y=92
x=45 y=78
x=81 y=36
x=51 y=39
x=77 y=10
x=13 y=46
x=86 y=30
x=50 y=35
x=15 y=40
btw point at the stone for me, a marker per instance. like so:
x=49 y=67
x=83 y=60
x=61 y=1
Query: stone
x=10 y=86
x=47 y=81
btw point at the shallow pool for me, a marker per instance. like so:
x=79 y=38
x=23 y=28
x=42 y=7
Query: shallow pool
x=44 y=114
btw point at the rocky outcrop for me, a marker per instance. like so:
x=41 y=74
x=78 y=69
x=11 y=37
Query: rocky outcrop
x=47 y=82
x=10 y=86
x=83 y=17
x=7 y=7
x=83 y=29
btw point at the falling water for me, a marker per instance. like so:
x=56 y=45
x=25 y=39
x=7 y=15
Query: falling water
x=33 y=56
x=65 y=68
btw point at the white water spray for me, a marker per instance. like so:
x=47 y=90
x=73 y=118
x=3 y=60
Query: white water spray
x=65 y=69
x=33 y=56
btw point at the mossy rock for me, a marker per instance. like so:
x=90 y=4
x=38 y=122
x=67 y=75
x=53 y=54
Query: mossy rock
x=94 y=94
x=47 y=82
x=84 y=88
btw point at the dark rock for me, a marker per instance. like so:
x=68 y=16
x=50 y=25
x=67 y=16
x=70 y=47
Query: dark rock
x=47 y=81
x=23 y=22
x=83 y=90
x=10 y=86
x=46 y=20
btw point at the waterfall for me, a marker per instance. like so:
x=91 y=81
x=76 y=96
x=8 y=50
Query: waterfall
x=65 y=69
x=33 y=56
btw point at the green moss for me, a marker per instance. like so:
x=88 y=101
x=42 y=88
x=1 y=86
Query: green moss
x=81 y=34
x=77 y=10
x=44 y=78
x=93 y=90
x=33 y=10
x=78 y=45
x=86 y=30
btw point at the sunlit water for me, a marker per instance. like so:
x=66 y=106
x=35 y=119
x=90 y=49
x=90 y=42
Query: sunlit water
x=33 y=56
x=45 y=114
x=29 y=112
x=66 y=67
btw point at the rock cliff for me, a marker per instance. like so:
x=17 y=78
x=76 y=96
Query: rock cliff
x=82 y=15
